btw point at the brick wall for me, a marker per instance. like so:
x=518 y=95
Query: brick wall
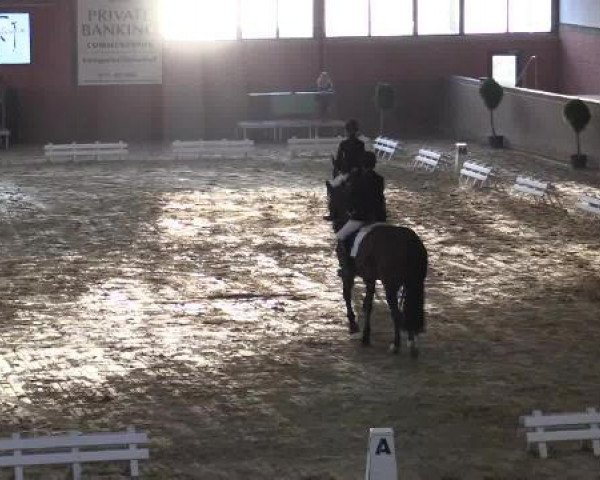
x=205 y=86
x=580 y=60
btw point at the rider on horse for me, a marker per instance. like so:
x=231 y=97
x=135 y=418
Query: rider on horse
x=350 y=152
x=367 y=205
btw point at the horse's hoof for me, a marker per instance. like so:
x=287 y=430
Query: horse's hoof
x=394 y=349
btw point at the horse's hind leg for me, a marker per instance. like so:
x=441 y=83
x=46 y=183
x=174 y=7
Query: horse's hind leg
x=368 y=308
x=391 y=296
x=348 y=286
x=412 y=345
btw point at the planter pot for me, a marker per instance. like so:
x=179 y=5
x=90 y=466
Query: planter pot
x=579 y=161
x=497 y=141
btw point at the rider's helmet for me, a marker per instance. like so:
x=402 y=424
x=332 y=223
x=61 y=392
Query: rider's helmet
x=351 y=127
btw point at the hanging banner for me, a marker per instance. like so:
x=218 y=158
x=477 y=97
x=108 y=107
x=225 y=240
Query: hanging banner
x=119 y=42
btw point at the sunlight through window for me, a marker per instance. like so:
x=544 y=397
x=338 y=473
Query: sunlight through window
x=346 y=18
x=490 y=16
x=259 y=18
x=391 y=17
x=530 y=15
x=439 y=17
x=504 y=69
x=199 y=20
x=295 y=18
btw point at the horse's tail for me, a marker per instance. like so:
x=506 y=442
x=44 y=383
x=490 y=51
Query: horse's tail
x=414 y=300
x=414 y=306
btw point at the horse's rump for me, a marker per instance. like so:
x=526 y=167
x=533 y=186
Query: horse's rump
x=392 y=254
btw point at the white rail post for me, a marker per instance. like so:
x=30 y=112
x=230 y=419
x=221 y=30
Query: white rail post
x=134 y=465
x=18 y=456
x=595 y=426
x=542 y=446
x=76 y=465
x=381 y=456
x=461 y=149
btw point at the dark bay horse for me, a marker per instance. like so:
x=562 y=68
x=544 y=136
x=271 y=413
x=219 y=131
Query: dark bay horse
x=393 y=255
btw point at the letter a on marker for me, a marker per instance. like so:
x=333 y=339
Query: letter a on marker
x=383 y=447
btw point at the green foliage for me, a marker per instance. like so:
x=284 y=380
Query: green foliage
x=385 y=96
x=577 y=114
x=492 y=93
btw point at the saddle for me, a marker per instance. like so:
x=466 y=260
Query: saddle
x=357 y=237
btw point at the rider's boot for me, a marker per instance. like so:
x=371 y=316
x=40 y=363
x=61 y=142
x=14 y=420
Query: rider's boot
x=346 y=261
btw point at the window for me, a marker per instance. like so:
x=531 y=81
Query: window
x=504 y=69
x=259 y=18
x=273 y=18
x=486 y=16
x=530 y=16
x=438 y=17
x=391 y=17
x=295 y=18
x=197 y=20
x=346 y=18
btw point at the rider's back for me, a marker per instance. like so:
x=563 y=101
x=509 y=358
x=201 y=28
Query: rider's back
x=350 y=154
x=367 y=197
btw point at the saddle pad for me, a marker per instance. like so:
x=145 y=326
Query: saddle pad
x=362 y=233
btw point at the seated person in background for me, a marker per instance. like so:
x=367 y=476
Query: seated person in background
x=324 y=83
x=324 y=86
x=350 y=152
x=367 y=200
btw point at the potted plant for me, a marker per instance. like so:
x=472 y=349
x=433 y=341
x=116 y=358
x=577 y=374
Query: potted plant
x=385 y=99
x=578 y=115
x=492 y=93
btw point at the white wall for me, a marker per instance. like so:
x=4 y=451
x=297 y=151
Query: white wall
x=530 y=120
x=580 y=12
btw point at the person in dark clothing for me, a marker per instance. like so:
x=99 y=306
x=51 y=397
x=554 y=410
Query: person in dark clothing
x=348 y=159
x=367 y=200
x=367 y=193
x=350 y=152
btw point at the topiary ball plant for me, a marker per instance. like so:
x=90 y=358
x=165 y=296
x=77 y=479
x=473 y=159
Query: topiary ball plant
x=578 y=115
x=492 y=94
x=385 y=99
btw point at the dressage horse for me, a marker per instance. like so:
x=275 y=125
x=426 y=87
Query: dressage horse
x=393 y=255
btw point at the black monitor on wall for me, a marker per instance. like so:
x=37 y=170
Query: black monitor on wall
x=15 y=39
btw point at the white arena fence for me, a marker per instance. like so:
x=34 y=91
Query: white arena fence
x=206 y=148
x=73 y=449
x=94 y=150
x=564 y=427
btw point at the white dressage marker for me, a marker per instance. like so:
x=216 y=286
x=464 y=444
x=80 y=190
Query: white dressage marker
x=201 y=148
x=385 y=148
x=381 y=456
x=74 y=449
x=535 y=188
x=589 y=204
x=461 y=149
x=95 y=150
x=565 y=427
x=475 y=173
x=427 y=160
